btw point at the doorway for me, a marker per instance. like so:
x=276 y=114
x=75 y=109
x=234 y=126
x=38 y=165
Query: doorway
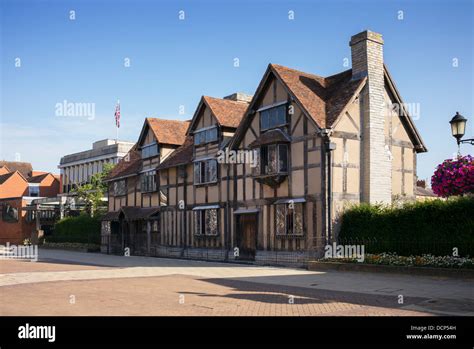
x=247 y=228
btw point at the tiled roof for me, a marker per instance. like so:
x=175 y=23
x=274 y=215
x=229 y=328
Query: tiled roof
x=420 y=191
x=168 y=131
x=5 y=177
x=111 y=216
x=323 y=98
x=24 y=168
x=134 y=213
x=38 y=178
x=182 y=155
x=130 y=164
x=228 y=113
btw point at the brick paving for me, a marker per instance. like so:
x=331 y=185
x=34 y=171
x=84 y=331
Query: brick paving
x=187 y=296
x=66 y=283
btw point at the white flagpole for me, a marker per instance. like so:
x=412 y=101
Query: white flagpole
x=116 y=126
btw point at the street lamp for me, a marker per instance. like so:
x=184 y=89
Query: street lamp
x=458 y=129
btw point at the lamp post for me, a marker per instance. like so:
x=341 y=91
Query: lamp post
x=458 y=128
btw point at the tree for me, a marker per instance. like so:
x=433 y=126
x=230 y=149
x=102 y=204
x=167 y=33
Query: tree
x=92 y=193
x=454 y=177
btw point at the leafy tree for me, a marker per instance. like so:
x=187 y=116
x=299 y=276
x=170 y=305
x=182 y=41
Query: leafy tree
x=93 y=192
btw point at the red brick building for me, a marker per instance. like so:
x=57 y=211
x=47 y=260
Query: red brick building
x=19 y=185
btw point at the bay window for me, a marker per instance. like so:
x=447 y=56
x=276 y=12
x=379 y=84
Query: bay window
x=274 y=159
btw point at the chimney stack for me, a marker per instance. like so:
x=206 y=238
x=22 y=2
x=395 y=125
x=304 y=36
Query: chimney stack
x=376 y=165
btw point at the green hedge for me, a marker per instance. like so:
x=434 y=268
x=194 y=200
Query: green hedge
x=82 y=229
x=434 y=227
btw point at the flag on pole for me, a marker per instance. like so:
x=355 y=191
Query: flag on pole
x=117 y=115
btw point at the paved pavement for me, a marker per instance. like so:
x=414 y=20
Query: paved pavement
x=74 y=283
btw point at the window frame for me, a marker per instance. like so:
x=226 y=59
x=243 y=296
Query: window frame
x=115 y=185
x=204 y=167
x=290 y=218
x=267 y=111
x=149 y=146
x=264 y=160
x=203 y=135
x=200 y=219
x=10 y=214
x=36 y=189
x=143 y=179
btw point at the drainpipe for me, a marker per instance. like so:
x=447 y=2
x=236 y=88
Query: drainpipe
x=328 y=147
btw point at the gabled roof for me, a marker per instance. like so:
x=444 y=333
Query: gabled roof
x=166 y=131
x=228 y=113
x=182 y=155
x=39 y=178
x=4 y=170
x=24 y=168
x=7 y=176
x=420 y=191
x=128 y=166
x=405 y=117
x=322 y=99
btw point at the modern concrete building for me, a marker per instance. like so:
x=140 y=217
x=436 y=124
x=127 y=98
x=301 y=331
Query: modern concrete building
x=78 y=168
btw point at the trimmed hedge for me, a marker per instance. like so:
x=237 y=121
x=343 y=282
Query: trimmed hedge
x=82 y=229
x=429 y=227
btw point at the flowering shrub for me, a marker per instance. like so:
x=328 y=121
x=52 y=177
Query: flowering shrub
x=72 y=246
x=425 y=260
x=454 y=177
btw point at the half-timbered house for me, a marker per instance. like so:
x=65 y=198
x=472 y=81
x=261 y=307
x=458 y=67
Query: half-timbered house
x=198 y=187
x=306 y=145
x=134 y=197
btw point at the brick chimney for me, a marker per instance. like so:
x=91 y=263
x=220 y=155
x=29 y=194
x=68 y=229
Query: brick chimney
x=376 y=165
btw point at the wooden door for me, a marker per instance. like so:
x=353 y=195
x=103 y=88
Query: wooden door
x=247 y=236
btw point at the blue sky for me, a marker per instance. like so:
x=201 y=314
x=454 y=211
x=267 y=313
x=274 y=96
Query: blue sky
x=173 y=62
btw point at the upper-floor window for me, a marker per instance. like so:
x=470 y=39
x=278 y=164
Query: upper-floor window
x=120 y=188
x=34 y=190
x=289 y=219
x=206 y=136
x=273 y=117
x=148 y=181
x=205 y=171
x=205 y=222
x=9 y=214
x=273 y=159
x=150 y=150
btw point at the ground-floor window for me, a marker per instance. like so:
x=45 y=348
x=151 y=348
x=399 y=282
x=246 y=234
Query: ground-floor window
x=205 y=222
x=154 y=226
x=289 y=219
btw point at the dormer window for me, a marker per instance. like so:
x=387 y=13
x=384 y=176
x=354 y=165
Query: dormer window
x=273 y=117
x=33 y=190
x=150 y=150
x=207 y=135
